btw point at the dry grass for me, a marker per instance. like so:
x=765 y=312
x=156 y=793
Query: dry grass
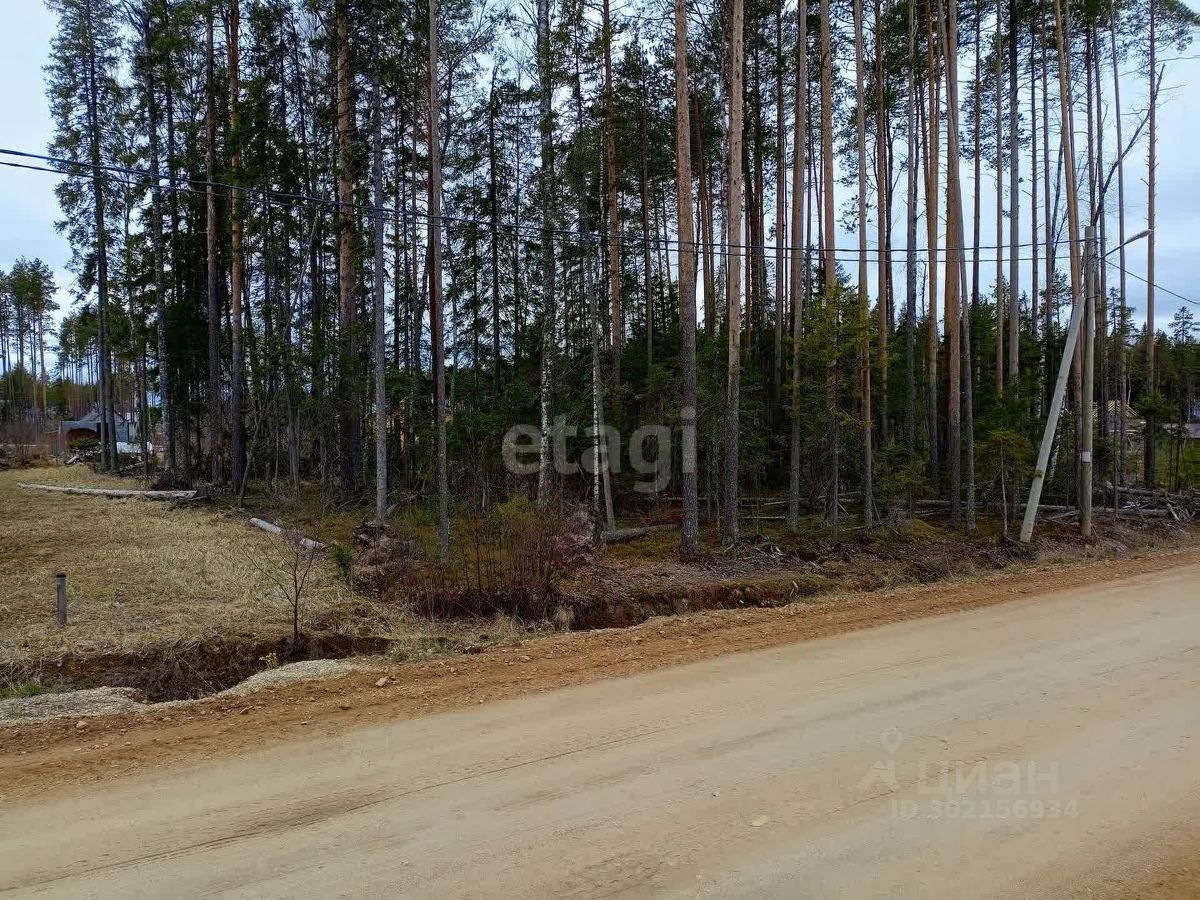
x=142 y=572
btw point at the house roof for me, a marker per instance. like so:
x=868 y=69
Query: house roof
x=92 y=419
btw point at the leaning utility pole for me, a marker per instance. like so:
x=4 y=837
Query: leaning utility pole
x=1056 y=401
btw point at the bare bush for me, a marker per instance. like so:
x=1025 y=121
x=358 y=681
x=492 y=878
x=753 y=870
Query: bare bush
x=510 y=561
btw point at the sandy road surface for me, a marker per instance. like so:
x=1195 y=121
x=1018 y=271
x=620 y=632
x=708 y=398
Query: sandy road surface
x=1069 y=726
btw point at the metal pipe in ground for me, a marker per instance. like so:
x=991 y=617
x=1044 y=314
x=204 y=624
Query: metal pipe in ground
x=60 y=587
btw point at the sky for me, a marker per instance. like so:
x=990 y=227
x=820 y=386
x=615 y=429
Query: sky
x=28 y=208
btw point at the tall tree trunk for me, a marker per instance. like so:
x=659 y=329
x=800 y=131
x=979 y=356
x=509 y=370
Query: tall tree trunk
x=798 y=280
x=108 y=450
x=1151 y=475
x=1051 y=246
x=708 y=228
x=1014 y=205
x=647 y=272
x=214 y=306
x=348 y=413
x=237 y=255
x=157 y=238
x=1001 y=306
x=955 y=270
x=1035 y=228
x=1121 y=329
x=1100 y=215
x=733 y=299
x=494 y=227
x=864 y=313
x=612 y=217
x=438 y=351
x=883 y=224
x=549 y=301
x=379 y=283
x=829 y=274
x=1068 y=138
x=781 y=230
x=690 y=532
x=910 y=262
x=977 y=162
x=933 y=160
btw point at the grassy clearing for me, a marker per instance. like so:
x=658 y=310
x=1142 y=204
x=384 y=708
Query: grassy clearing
x=19 y=690
x=141 y=573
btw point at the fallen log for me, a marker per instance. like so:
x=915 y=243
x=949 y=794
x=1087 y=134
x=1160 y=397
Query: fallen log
x=272 y=528
x=112 y=492
x=618 y=535
x=1160 y=494
x=1146 y=514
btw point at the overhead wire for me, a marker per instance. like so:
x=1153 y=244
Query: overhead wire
x=146 y=179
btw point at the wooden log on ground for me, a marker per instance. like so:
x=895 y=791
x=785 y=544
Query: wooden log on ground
x=272 y=528
x=112 y=492
x=617 y=535
x=1159 y=494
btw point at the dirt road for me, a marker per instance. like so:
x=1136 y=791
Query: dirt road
x=1045 y=747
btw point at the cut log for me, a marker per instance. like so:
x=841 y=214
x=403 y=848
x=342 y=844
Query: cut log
x=112 y=492
x=618 y=535
x=272 y=528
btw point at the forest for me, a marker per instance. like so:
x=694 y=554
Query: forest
x=353 y=243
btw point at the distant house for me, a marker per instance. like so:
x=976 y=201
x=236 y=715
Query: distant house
x=89 y=427
x=1135 y=425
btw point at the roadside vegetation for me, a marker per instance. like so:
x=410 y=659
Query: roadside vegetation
x=185 y=599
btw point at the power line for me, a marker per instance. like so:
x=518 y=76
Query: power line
x=148 y=180
x=1157 y=286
